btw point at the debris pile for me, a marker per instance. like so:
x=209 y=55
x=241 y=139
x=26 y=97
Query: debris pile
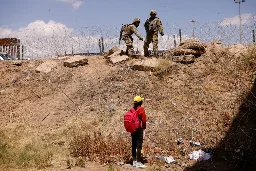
x=187 y=51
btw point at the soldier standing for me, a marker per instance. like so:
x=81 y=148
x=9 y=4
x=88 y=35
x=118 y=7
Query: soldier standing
x=126 y=35
x=153 y=25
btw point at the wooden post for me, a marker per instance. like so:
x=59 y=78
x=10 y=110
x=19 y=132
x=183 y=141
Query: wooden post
x=253 y=36
x=174 y=40
x=180 y=35
x=22 y=52
x=102 y=45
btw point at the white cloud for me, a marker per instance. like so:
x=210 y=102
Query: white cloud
x=42 y=39
x=4 y=32
x=75 y=3
x=245 y=19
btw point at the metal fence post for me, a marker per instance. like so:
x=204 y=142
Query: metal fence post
x=253 y=36
x=174 y=41
x=180 y=35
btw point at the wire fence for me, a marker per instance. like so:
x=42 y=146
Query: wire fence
x=60 y=40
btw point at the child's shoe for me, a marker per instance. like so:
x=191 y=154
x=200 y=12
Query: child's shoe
x=140 y=165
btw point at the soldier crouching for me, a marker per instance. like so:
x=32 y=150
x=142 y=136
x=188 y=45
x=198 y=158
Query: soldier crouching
x=126 y=34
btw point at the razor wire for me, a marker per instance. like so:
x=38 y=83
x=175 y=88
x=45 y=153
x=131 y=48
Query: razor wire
x=57 y=41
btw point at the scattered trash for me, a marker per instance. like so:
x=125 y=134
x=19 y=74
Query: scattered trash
x=120 y=163
x=26 y=71
x=237 y=151
x=111 y=107
x=179 y=141
x=196 y=144
x=199 y=155
x=168 y=160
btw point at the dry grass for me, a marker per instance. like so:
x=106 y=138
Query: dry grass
x=205 y=95
x=14 y=154
x=102 y=149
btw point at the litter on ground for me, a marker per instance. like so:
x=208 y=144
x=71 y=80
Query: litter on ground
x=199 y=155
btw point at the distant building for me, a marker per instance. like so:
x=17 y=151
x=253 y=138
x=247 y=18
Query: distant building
x=12 y=47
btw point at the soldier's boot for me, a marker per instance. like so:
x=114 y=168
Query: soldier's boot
x=156 y=55
x=130 y=51
x=146 y=52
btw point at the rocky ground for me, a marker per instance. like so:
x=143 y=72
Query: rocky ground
x=188 y=100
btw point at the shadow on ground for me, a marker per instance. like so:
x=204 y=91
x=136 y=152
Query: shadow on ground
x=237 y=151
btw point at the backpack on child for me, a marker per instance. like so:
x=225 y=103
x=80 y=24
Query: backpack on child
x=131 y=120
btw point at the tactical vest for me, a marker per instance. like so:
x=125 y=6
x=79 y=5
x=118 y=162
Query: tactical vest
x=152 y=25
x=124 y=29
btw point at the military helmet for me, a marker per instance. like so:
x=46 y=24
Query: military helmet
x=136 y=20
x=153 y=12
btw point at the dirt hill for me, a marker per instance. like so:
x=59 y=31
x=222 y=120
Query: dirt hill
x=51 y=114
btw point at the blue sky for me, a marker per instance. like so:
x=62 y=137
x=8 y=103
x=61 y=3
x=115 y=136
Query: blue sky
x=19 y=13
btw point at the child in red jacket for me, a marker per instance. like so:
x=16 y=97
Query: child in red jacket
x=137 y=137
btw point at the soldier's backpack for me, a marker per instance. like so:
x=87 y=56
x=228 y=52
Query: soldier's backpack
x=122 y=30
x=131 y=120
x=124 y=27
x=152 y=25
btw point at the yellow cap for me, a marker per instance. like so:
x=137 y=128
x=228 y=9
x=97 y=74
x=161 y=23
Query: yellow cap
x=138 y=99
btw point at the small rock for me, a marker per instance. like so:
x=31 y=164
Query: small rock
x=116 y=53
x=197 y=144
x=46 y=67
x=183 y=165
x=76 y=61
x=17 y=63
x=120 y=163
x=216 y=42
x=169 y=159
x=26 y=71
x=180 y=51
x=112 y=50
x=184 y=58
x=179 y=141
x=192 y=44
x=118 y=59
x=237 y=151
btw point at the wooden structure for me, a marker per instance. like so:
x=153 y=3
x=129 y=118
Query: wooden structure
x=12 y=47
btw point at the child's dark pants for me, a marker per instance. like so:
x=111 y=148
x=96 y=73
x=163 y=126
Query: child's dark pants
x=137 y=140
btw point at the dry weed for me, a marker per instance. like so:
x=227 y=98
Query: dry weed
x=15 y=155
x=102 y=149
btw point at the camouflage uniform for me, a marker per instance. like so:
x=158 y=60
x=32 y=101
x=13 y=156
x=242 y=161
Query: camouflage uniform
x=152 y=27
x=127 y=32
